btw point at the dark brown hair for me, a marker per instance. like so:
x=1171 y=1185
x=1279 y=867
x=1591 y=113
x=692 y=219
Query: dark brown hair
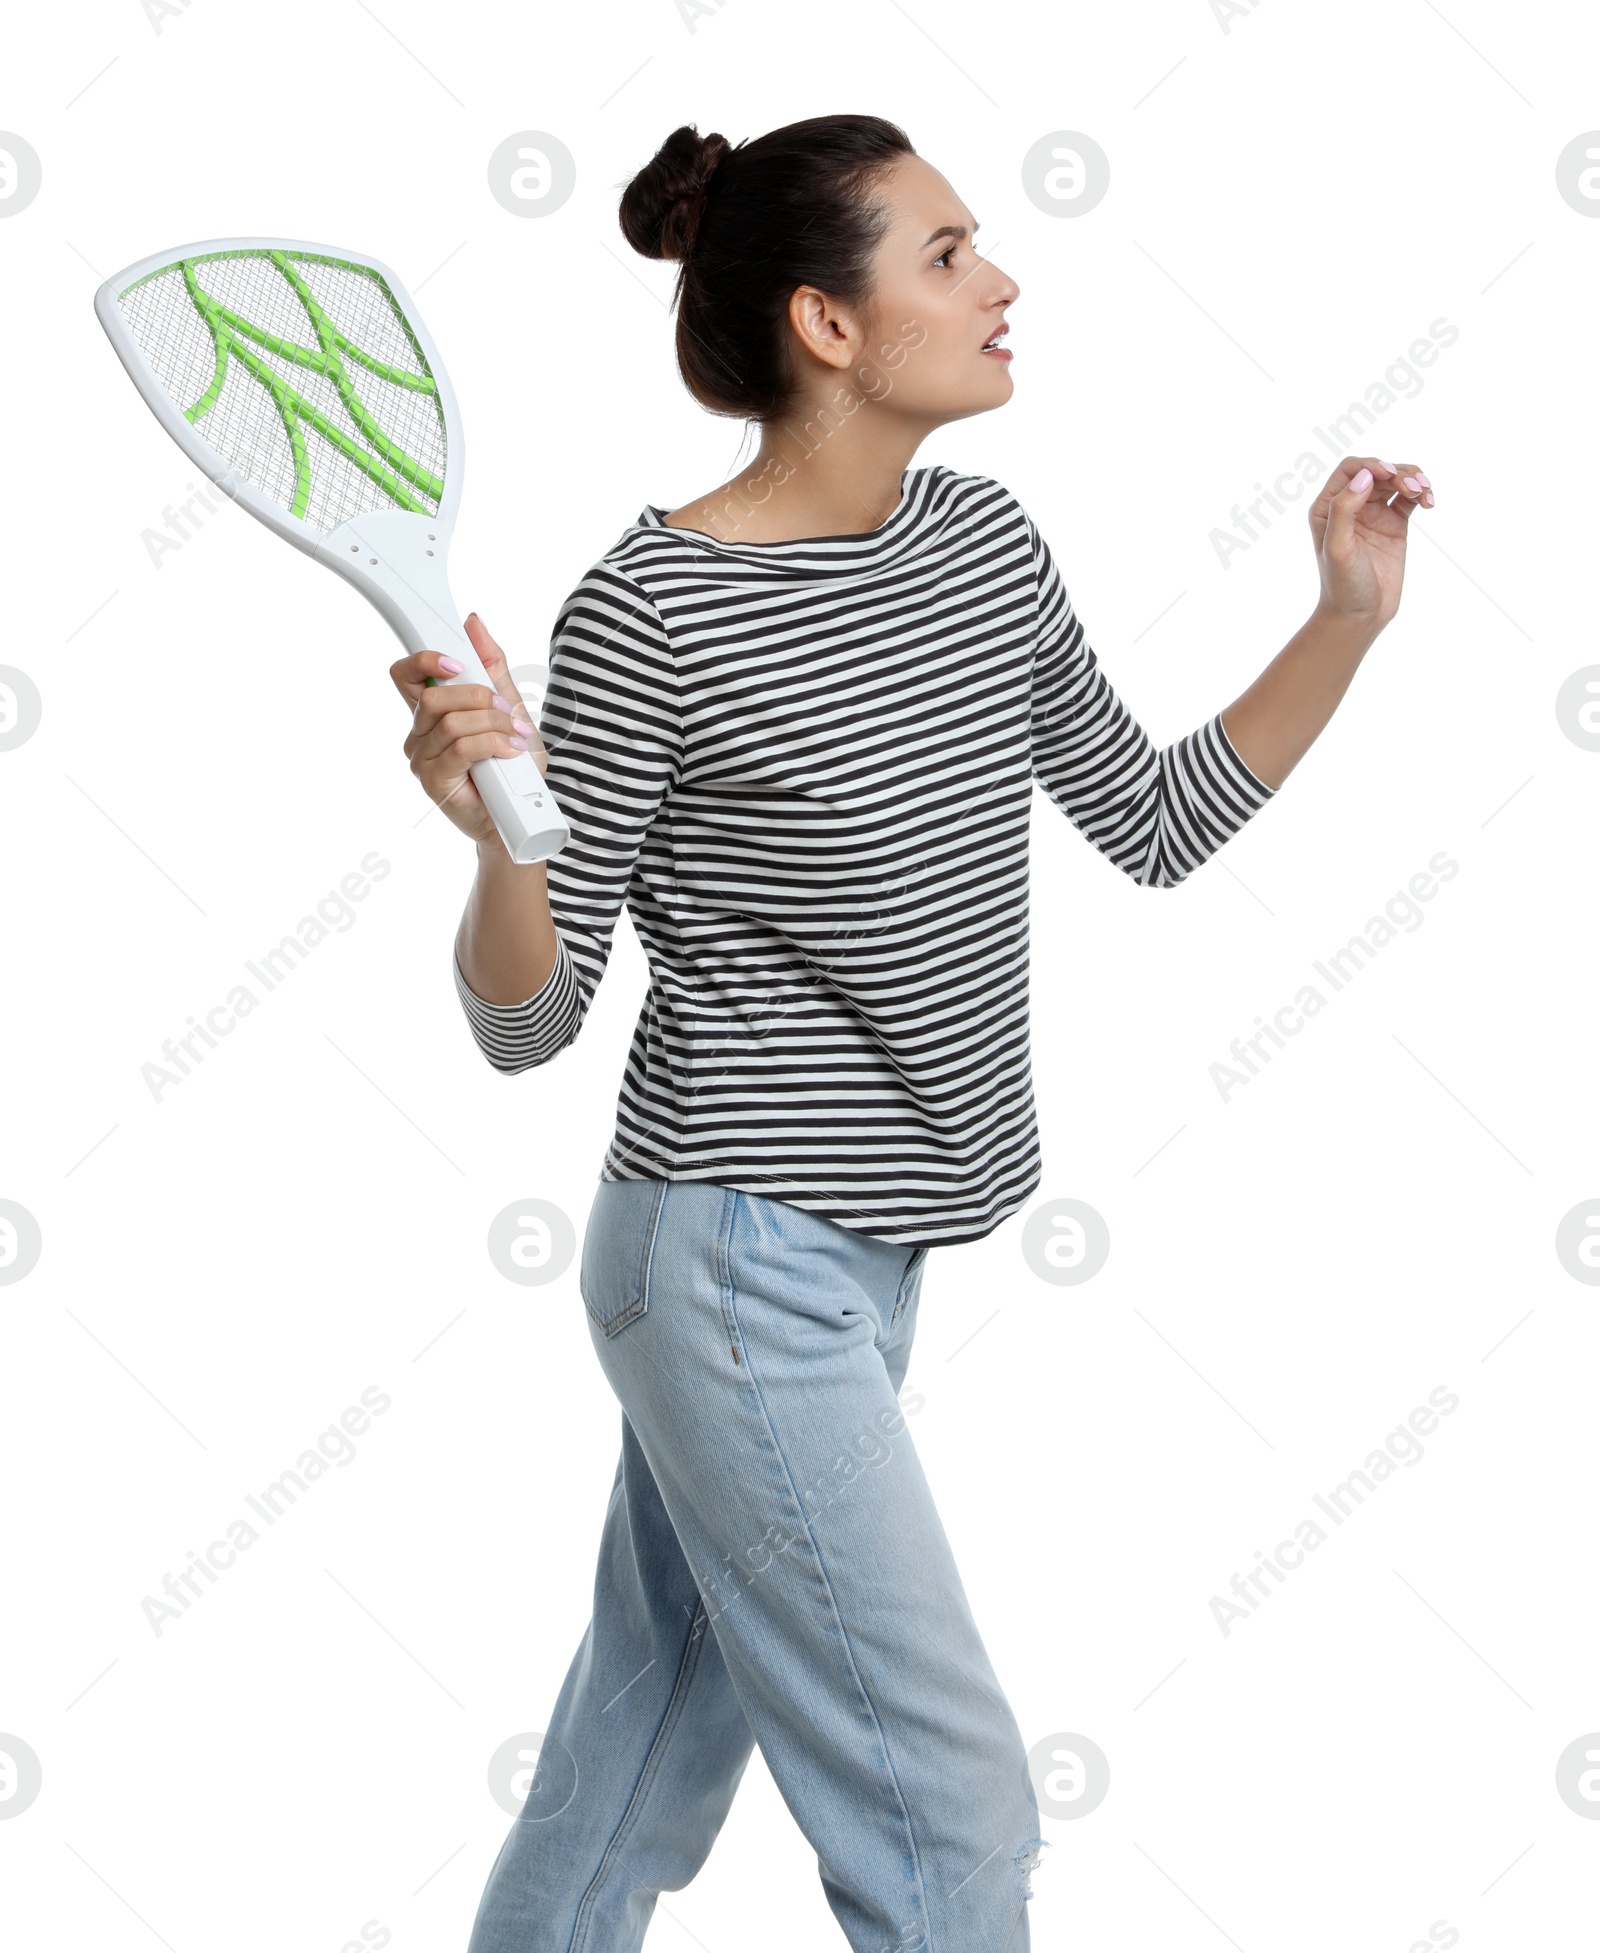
x=750 y=222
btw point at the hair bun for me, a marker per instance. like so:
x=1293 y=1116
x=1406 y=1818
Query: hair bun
x=661 y=208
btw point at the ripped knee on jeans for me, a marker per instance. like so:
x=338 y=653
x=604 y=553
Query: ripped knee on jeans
x=1027 y=1859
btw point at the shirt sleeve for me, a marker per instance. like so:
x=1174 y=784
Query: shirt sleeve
x=1156 y=813
x=612 y=726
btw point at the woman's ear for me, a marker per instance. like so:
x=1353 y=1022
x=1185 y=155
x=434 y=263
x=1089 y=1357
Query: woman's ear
x=826 y=329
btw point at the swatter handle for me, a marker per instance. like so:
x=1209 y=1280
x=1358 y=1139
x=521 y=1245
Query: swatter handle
x=522 y=807
x=385 y=554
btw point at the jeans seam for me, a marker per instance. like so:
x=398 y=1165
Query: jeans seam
x=730 y=1208
x=729 y=1291
x=905 y=1286
x=650 y=1245
x=688 y=1667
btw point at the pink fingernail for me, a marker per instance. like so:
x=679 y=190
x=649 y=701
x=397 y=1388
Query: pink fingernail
x=500 y=704
x=451 y=664
x=520 y=744
x=1410 y=482
x=1361 y=479
x=521 y=725
x=1421 y=477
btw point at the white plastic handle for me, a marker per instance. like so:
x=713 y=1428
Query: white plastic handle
x=385 y=553
x=521 y=806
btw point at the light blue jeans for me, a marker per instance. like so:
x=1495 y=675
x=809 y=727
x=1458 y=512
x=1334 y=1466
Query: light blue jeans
x=772 y=1570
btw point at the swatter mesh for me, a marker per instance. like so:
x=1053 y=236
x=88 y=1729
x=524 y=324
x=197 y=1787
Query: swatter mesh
x=400 y=456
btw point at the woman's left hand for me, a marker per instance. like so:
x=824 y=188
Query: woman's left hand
x=1360 y=536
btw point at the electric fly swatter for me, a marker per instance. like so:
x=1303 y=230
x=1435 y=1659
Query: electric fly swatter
x=303 y=382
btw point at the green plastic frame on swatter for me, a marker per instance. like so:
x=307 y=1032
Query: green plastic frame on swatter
x=301 y=379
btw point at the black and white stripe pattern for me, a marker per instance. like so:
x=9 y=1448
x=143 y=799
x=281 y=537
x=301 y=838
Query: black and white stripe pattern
x=807 y=767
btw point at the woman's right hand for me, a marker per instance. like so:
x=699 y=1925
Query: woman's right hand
x=454 y=725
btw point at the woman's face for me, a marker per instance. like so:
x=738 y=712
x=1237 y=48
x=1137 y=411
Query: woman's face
x=936 y=302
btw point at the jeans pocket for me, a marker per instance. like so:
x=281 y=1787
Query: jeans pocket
x=614 y=1269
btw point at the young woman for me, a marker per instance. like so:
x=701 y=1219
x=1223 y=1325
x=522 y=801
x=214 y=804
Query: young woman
x=795 y=724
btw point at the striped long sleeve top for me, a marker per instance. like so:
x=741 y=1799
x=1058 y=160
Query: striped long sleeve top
x=807 y=767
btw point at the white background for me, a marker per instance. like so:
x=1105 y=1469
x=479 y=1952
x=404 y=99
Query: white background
x=1295 y=196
